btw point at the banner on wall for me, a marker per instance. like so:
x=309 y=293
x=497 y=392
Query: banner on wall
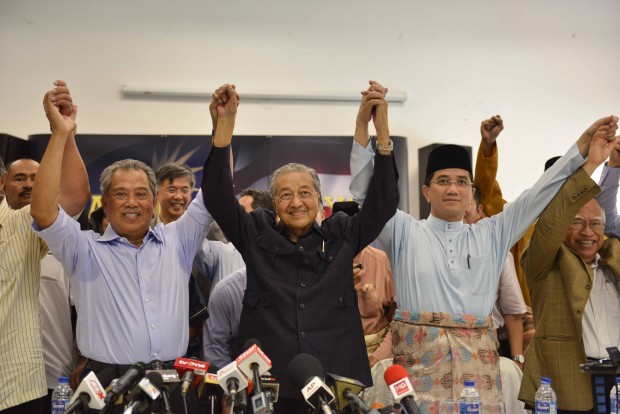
x=254 y=158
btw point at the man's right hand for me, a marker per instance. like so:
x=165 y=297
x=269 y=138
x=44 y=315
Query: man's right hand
x=584 y=140
x=489 y=131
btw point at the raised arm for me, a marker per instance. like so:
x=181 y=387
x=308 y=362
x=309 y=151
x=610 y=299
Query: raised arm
x=608 y=198
x=74 y=186
x=551 y=227
x=227 y=100
x=370 y=98
x=362 y=157
x=45 y=192
x=609 y=125
x=486 y=166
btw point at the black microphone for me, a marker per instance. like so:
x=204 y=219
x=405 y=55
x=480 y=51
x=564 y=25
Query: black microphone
x=210 y=393
x=346 y=391
x=307 y=373
x=145 y=393
x=124 y=383
x=91 y=391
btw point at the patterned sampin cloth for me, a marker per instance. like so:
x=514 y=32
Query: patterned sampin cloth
x=440 y=351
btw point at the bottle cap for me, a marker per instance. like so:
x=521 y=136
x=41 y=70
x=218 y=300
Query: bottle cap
x=469 y=383
x=545 y=380
x=63 y=380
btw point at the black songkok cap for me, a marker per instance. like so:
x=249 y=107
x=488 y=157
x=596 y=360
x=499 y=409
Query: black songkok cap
x=351 y=208
x=550 y=162
x=448 y=156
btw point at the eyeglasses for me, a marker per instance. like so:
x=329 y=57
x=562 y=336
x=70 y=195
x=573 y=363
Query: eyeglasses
x=303 y=195
x=581 y=225
x=443 y=182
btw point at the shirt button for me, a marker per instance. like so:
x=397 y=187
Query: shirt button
x=578 y=311
x=152 y=326
x=301 y=248
x=303 y=334
x=302 y=284
x=147 y=299
x=306 y=261
x=588 y=287
x=154 y=353
x=330 y=258
x=302 y=306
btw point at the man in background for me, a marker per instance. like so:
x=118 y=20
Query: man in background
x=23 y=385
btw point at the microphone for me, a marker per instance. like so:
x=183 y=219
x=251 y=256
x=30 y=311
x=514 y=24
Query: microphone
x=211 y=391
x=306 y=373
x=148 y=387
x=191 y=372
x=91 y=391
x=253 y=363
x=231 y=379
x=398 y=382
x=124 y=383
x=271 y=387
x=347 y=390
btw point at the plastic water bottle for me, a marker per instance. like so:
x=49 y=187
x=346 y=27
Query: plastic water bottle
x=613 y=399
x=546 y=400
x=61 y=396
x=469 y=401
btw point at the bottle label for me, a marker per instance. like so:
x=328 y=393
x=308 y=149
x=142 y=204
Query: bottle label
x=59 y=406
x=545 y=407
x=469 y=408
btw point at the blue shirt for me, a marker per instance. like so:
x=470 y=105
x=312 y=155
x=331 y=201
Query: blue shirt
x=215 y=260
x=222 y=325
x=442 y=266
x=132 y=303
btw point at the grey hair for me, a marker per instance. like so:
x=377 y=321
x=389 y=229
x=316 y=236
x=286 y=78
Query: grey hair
x=2 y=168
x=172 y=170
x=293 y=168
x=105 y=180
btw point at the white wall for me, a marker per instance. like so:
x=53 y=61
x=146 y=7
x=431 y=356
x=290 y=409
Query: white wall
x=550 y=68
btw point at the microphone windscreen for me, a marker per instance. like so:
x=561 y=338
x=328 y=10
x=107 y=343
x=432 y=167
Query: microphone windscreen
x=156 y=379
x=394 y=374
x=303 y=367
x=106 y=376
x=247 y=344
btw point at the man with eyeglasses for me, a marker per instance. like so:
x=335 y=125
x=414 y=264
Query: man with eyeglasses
x=574 y=274
x=446 y=272
x=300 y=294
x=129 y=284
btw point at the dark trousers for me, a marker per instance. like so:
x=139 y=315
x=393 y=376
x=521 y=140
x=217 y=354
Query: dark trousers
x=31 y=407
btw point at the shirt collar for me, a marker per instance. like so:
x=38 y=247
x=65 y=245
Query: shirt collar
x=443 y=225
x=315 y=227
x=110 y=235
